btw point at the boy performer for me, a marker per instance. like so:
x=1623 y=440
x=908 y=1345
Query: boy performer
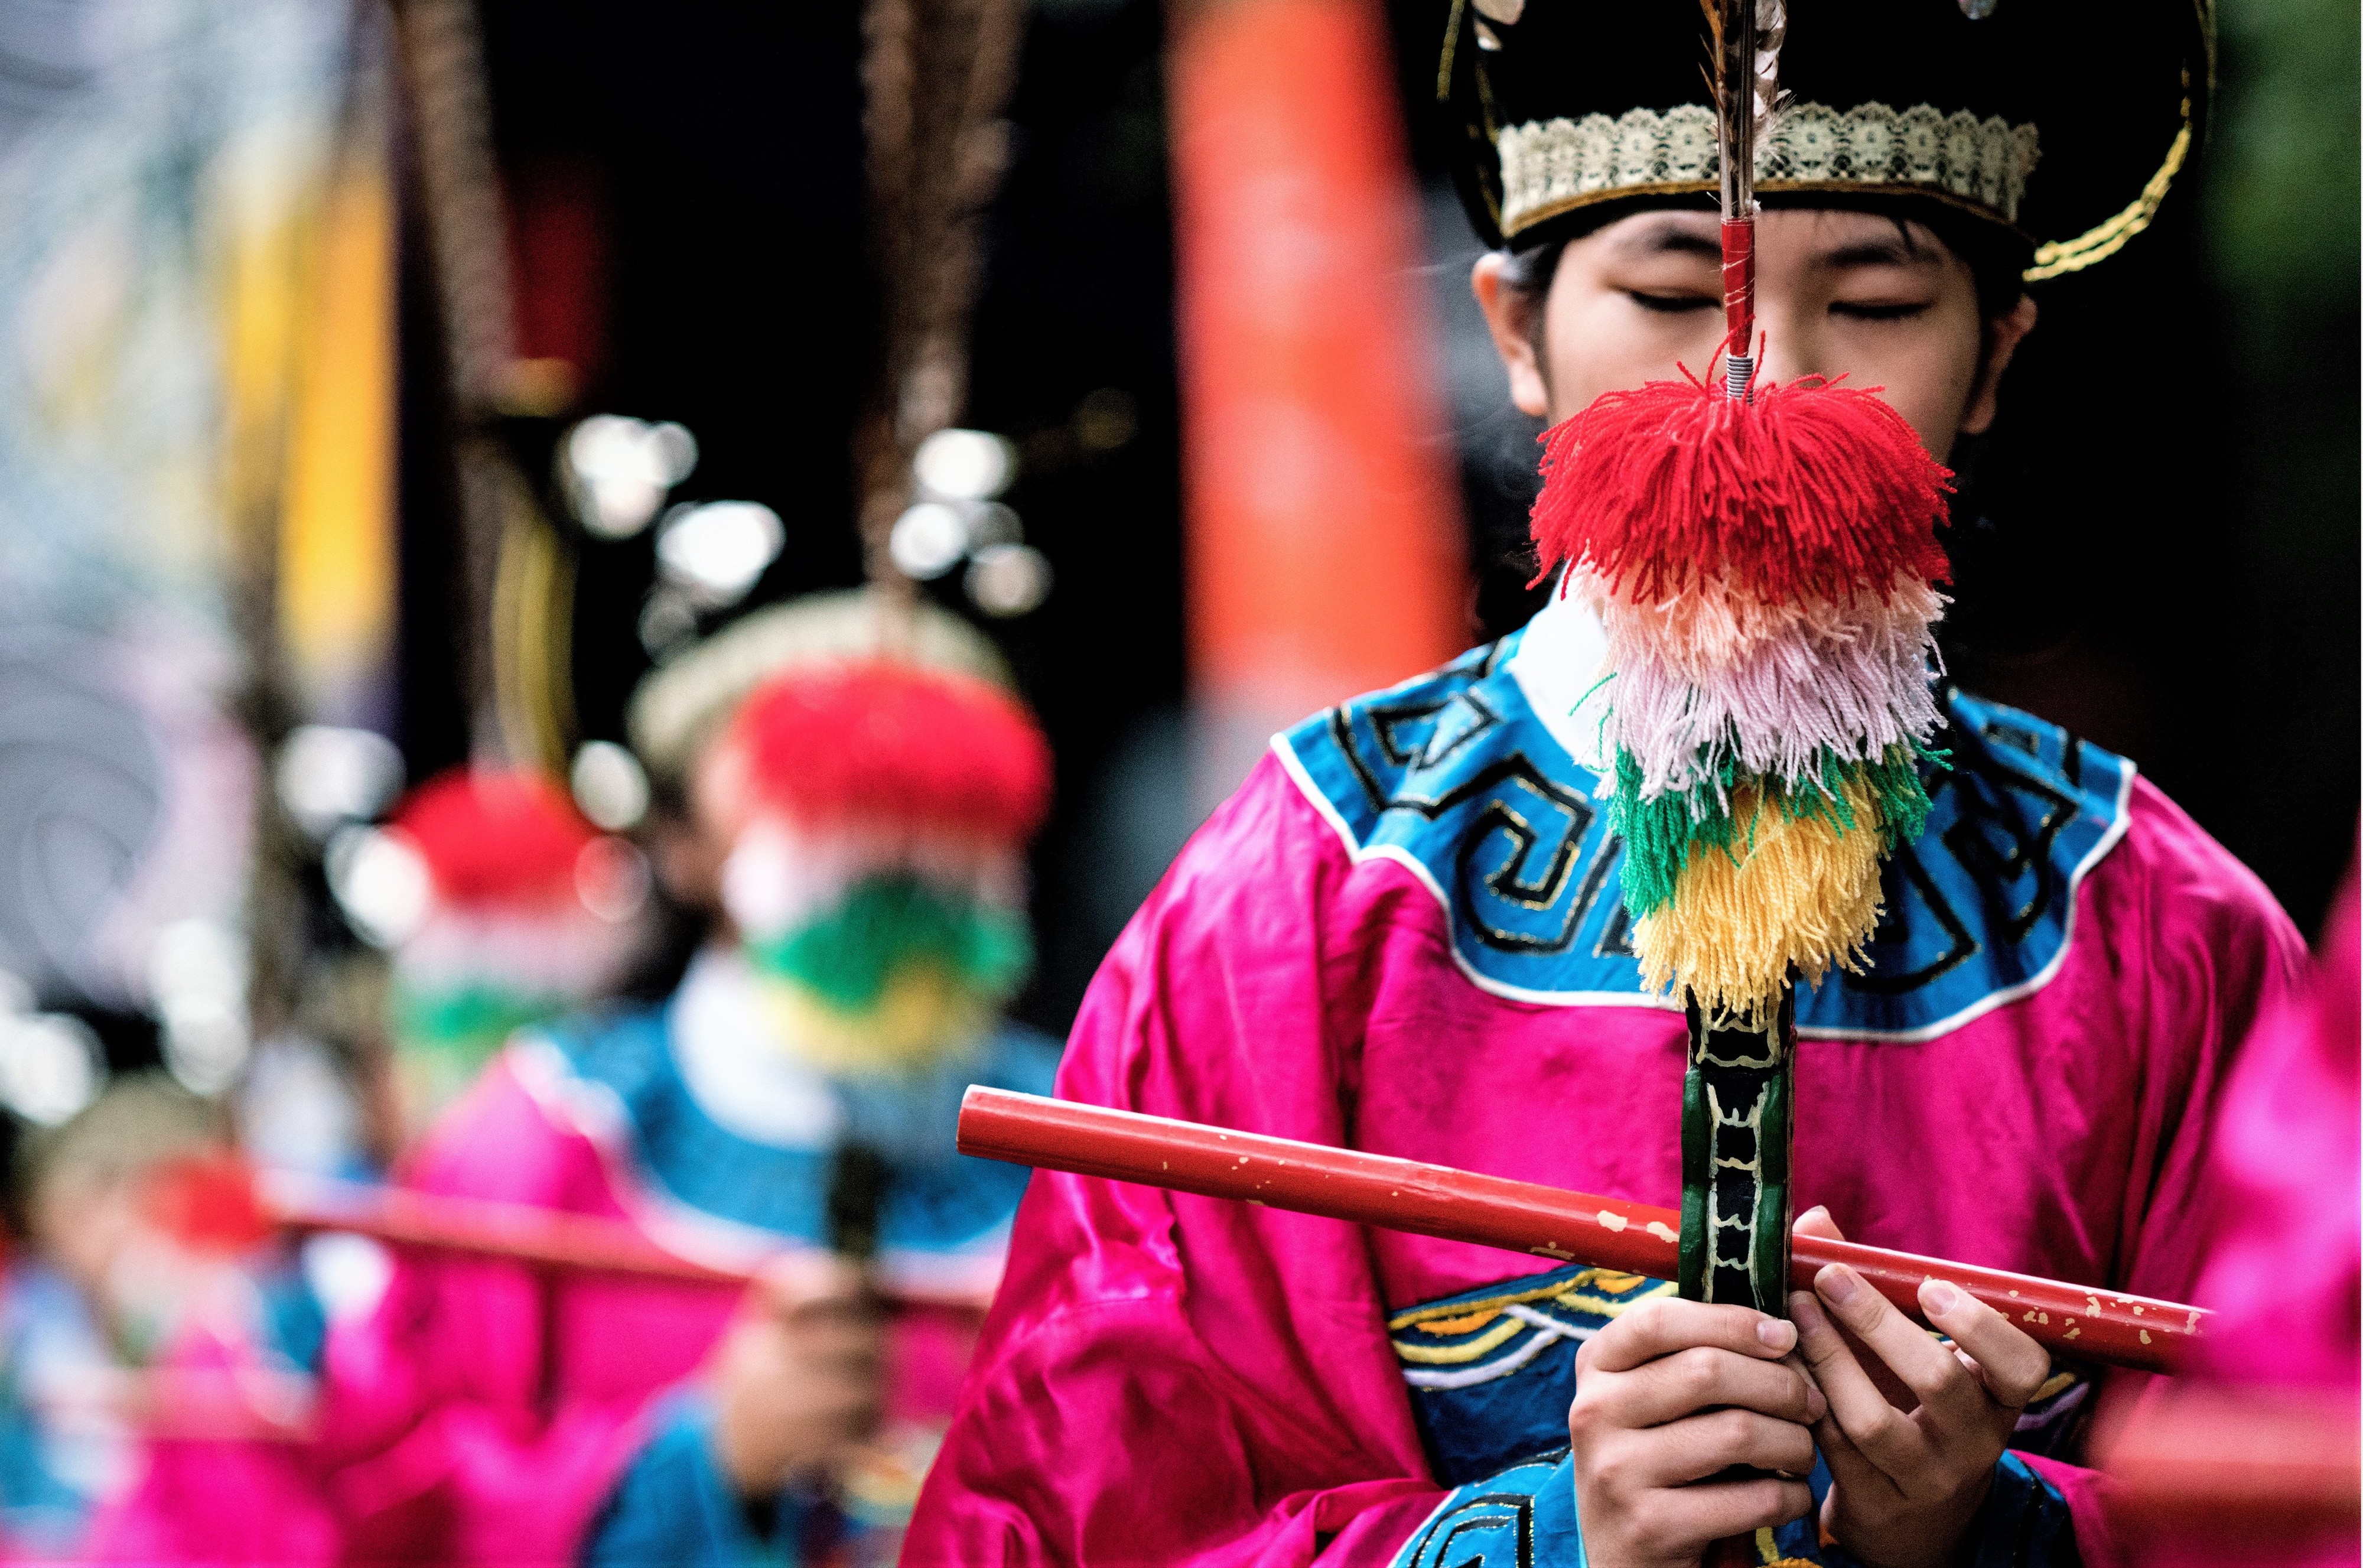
x=1406 y=934
x=865 y=796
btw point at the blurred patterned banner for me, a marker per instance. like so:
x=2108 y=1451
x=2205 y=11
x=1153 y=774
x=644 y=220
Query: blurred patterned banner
x=195 y=451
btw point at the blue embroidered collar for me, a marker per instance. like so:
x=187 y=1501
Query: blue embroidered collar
x=1458 y=777
x=618 y=1080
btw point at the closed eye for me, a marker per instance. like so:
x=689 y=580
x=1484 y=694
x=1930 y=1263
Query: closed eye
x=1673 y=303
x=1885 y=311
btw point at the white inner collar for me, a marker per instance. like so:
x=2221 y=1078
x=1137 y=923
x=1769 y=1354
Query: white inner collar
x=729 y=1058
x=1559 y=665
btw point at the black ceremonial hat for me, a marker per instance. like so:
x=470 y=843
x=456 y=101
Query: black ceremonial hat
x=2062 y=120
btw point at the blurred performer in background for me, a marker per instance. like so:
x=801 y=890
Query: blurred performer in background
x=528 y=912
x=857 y=789
x=856 y=824
x=2276 y=1383
x=120 y=1326
x=1405 y=933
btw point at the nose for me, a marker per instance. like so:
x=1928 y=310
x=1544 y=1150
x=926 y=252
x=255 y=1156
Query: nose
x=1792 y=343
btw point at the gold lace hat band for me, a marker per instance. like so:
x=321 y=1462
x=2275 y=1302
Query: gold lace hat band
x=1551 y=166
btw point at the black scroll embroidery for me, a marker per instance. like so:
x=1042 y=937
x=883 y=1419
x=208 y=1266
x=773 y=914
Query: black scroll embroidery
x=1539 y=823
x=1488 y=1511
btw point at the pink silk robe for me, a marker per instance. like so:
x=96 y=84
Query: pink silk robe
x=1170 y=1379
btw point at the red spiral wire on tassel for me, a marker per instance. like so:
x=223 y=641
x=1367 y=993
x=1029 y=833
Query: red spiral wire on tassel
x=1738 y=306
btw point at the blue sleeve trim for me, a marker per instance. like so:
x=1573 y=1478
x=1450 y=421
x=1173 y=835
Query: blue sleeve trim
x=2025 y=1523
x=1524 y=1516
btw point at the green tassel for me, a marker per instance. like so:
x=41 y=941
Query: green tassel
x=1662 y=832
x=847 y=956
x=1659 y=831
x=472 y=1021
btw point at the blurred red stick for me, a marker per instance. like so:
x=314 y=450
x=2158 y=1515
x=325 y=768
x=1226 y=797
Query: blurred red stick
x=511 y=1232
x=1522 y=1216
x=2237 y=1467
x=225 y=1205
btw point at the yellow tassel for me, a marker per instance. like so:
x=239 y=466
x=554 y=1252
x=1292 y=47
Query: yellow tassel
x=1800 y=895
x=921 y=1018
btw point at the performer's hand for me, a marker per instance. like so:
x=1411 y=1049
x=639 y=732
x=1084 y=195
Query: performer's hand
x=796 y=1379
x=1672 y=1393
x=1912 y=1428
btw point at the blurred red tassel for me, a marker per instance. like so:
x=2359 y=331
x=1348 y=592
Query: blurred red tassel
x=882 y=742
x=207 y=1202
x=495 y=838
x=1806 y=491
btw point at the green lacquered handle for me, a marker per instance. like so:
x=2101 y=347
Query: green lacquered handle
x=1738 y=1116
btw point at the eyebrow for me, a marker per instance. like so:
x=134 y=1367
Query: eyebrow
x=1670 y=236
x=1892 y=251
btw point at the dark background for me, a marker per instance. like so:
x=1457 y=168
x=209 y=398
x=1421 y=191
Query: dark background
x=2157 y=547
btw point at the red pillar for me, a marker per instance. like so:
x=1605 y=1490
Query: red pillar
x=1323 y=550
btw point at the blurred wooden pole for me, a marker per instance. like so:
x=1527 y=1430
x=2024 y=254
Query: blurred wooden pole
x=451 y=126
x=307 y=434
x=1323 y=545
x=935 y=75
x=516 y=587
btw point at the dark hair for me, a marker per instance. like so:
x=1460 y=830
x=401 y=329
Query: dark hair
x=1528 y=274
x=1997 y=257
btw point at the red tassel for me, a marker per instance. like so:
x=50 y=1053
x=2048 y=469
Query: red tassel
x=1807 y=491
x=207 y=1202
x=885 y=742
x=495 y=838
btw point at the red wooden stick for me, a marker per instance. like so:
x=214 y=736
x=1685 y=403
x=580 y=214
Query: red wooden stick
x=1522 y=1216
x=1739 y=286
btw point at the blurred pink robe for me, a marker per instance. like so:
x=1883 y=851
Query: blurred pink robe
x=444 y=1434
x=2284 y=1269
x=1170 y=1379
x=480 y=1416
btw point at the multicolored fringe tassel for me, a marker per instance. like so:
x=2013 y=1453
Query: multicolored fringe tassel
x=526 y=910
x=879 y=886
x=1766 y=571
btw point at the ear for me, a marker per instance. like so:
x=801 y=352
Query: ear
x=2003 y=335
x=1510 y=317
